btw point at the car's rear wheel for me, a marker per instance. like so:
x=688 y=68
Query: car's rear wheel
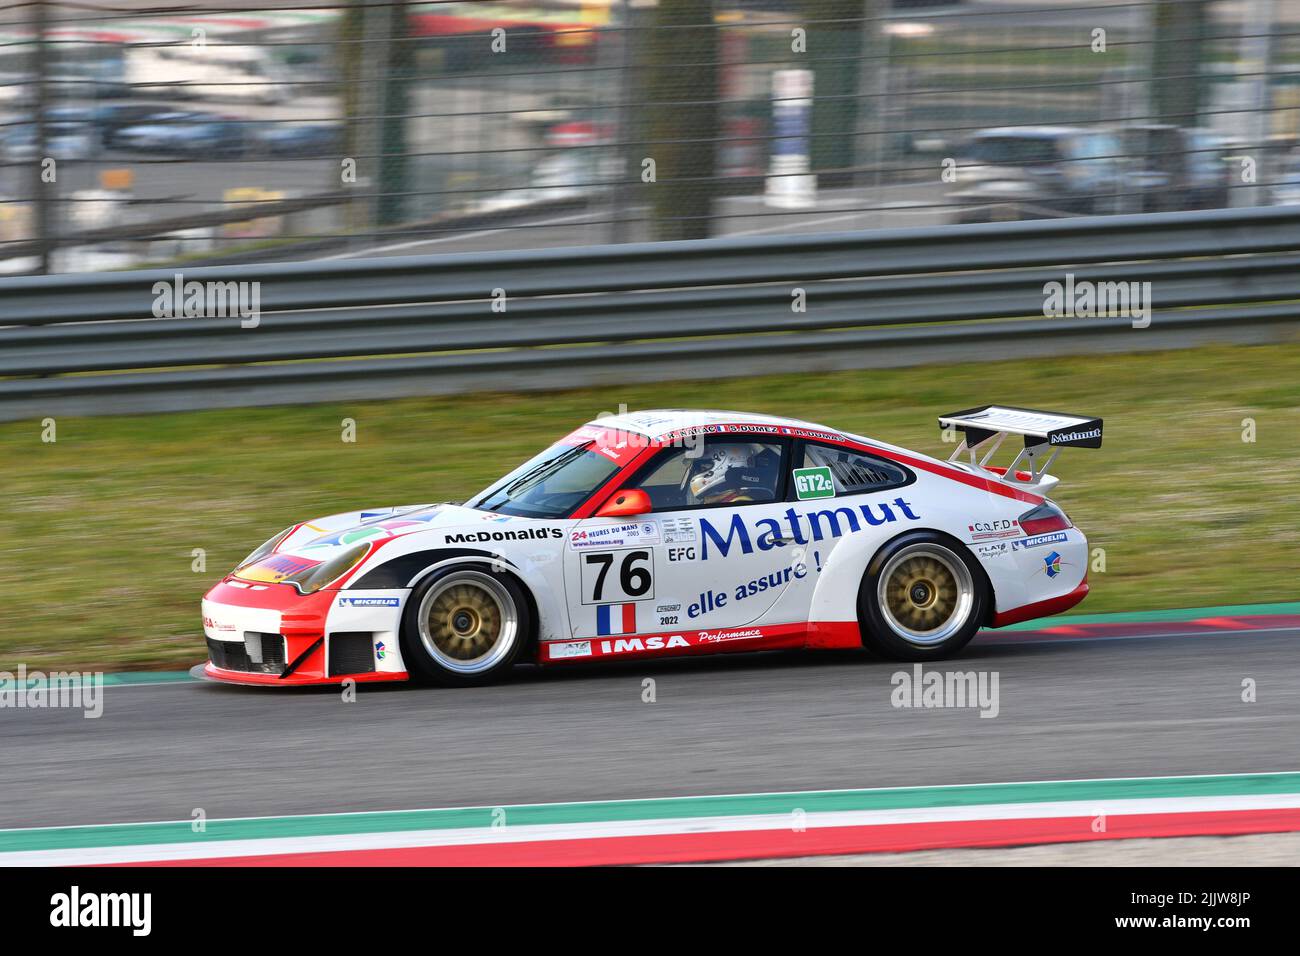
x=464 y=626
x=922 y=598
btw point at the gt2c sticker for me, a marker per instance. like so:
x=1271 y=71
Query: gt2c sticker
x=813 y=483
x=617 y=576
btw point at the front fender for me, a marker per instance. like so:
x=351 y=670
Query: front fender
x=405 y=570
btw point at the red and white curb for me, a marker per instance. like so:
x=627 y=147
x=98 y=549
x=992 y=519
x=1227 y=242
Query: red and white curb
x=696 y=829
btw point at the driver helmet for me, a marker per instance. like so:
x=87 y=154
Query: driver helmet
x=720 y=474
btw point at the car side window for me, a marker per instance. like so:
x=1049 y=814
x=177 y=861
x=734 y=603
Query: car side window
x=854 y=472
x=717 y=472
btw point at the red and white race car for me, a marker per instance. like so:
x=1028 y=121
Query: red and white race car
x=669 y=532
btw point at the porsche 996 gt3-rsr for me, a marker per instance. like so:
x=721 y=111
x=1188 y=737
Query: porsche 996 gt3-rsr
x=665 y=533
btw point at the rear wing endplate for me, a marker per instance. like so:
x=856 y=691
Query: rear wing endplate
x=984 y=429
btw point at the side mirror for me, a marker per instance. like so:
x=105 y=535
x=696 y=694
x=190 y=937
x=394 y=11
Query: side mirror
x=629 y=501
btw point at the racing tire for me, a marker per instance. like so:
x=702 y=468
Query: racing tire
x=922 y=598
x=464 y=626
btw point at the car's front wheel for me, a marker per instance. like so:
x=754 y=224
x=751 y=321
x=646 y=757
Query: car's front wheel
x=922 y=598
x=464 y=626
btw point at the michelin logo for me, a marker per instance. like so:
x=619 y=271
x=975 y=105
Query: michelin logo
x=370 y=602
x=1039 y=540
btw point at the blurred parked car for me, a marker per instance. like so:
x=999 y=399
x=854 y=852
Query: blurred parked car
x=105 y=122
x=63 y=140
x=111 y=118
x=1171 y=168
x=1038 y=172
x=299 y=139
x=225 y=137
x=186 y=134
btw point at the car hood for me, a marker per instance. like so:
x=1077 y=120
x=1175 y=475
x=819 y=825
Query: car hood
x=321 y=539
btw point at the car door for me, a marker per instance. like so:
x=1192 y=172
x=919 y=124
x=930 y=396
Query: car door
x=834 y=494
x=706 y=557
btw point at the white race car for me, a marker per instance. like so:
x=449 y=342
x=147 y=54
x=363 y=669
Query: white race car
x=670 y=532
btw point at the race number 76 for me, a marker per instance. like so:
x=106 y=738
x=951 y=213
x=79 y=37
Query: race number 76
x=611 y=576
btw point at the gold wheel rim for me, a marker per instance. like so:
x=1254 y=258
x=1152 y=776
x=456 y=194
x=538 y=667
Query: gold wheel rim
x=464 y=622
x=922 y=593
x=926 y=593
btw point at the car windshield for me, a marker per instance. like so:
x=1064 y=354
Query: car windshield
x=550 y=485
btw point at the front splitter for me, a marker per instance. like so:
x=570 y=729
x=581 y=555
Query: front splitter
x=215 y=675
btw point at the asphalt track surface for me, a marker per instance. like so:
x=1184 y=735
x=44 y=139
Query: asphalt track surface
x=1088 y=708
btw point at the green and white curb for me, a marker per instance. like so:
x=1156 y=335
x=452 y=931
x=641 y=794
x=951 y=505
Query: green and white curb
x=696 y=829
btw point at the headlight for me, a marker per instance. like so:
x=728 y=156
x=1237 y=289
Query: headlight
x=313 y=579
x=265 y=549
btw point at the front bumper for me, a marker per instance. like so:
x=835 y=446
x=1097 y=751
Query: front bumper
x=269 y=634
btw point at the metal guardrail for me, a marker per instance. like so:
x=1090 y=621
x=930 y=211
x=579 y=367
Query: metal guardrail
x=372 y=328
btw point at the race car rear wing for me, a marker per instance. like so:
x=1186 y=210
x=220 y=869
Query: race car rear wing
x=984 y=429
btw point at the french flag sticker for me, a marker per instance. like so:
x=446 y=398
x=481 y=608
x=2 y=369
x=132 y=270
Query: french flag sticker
x=615 y=619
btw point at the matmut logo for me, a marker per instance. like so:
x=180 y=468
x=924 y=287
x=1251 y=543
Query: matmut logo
x=774 y=532
x=1076 y=435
